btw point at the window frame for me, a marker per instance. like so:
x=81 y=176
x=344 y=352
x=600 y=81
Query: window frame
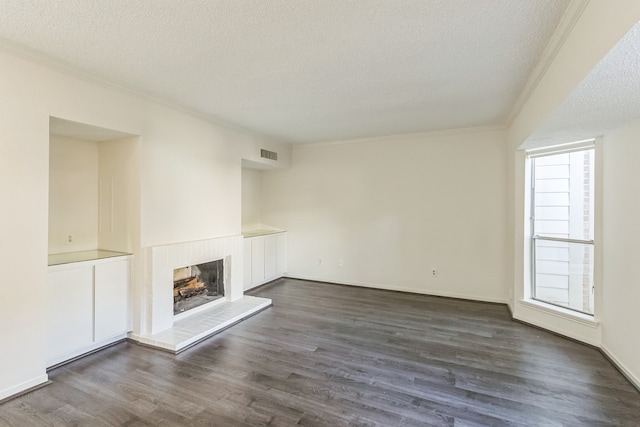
x=534 y=237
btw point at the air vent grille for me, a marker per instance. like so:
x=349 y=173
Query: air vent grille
x=266 y=154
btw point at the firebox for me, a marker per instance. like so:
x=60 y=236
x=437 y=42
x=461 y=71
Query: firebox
x=196 y=285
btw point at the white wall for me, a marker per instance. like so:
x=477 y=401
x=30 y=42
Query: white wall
x=24 y=169
x=251 y=198
x=600 y=26
x=621 y=247
x=569 y=323
x=432 y=201
x=190 y=187
x=73 y=194
x=598 y=29
x=393 y=208
x=119 y=182
x=93 y=194
x=250 y=152
x=190 y=178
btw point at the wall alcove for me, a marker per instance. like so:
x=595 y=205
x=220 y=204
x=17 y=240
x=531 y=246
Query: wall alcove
x=93 y=188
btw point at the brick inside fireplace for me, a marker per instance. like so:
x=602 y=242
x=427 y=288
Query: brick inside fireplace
x=198 y=284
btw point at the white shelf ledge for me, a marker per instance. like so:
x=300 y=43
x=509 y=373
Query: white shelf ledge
x=90 y=255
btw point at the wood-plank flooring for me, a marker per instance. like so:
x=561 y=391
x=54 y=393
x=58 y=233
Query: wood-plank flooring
x=330 y=355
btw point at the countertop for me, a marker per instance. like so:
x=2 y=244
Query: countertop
x=257 y=233
x=70 y=257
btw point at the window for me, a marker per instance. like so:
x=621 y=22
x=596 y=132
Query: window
x=562 y=224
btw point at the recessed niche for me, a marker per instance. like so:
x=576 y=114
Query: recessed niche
x=93 y=188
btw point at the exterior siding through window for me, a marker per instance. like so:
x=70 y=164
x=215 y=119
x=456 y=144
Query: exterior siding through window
x=563 y=208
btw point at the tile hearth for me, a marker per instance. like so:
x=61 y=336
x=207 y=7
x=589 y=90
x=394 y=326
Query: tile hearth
x=199 y=326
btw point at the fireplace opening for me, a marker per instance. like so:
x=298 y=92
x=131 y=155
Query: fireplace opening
x=196 y=285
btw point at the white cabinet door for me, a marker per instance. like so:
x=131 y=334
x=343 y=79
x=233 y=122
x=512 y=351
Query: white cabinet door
x=257 y=260
x=247 y=264
x=111 y=299
x=282 y=254
x=69 y=311
x=270 y=256
x=265 y=259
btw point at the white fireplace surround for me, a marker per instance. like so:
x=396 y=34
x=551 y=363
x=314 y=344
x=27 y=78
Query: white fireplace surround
x=157 y=298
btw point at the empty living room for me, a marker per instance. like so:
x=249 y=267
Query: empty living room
x=320 y=213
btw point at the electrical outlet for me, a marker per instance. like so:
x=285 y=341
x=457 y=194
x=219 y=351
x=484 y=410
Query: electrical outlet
x=340 y=262
x=434 y=272
x=69 y=238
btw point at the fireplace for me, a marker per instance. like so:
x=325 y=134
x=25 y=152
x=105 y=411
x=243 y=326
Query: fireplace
x=197 y=284
x=159 y=322
x=154 y=309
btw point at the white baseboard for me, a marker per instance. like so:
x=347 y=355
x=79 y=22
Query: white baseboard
x=623 y=369
x=61 y=359
x=19 y=388
x=634 y=380
x=568 y=326
x=263 y=282
x=402 y=289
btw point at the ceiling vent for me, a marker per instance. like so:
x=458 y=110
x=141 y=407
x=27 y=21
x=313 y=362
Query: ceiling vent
x=266 y=154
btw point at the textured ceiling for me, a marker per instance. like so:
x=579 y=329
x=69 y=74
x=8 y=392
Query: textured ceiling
x=302 y=71
x=606 y=99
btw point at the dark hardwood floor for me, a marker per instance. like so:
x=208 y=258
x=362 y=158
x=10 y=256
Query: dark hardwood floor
x=330 y=355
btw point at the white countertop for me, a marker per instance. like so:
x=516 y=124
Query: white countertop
x=256 y=233
x=70 y=257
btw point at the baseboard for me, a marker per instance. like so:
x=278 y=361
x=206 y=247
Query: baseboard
x=79 y=354
x=557 y=331
x=402 y=289
x=262 y=284
x=620 y=367
x=548 y=329
x=633 y=380
x=23 y=388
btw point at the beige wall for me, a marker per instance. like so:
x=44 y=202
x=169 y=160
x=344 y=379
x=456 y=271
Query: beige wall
x=621 y=247
x=73 y=194
x=600 y=26
x=119 y=181
x=415 y=202
x=251 y=198
x=190 y=187
x=93 y=194
x=190 y=178
x=393 y=208
x=598 y=29
x=24 y=165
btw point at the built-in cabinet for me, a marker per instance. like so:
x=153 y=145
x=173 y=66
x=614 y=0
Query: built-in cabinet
x=87 y=306
x=265 y=257
x=111 y=299
x=94 y=225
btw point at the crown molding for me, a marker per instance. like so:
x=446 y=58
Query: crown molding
x=567 y=23
x=39 y=58
x=406 y=136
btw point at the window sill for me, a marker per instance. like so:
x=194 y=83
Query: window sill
x=563 y=313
